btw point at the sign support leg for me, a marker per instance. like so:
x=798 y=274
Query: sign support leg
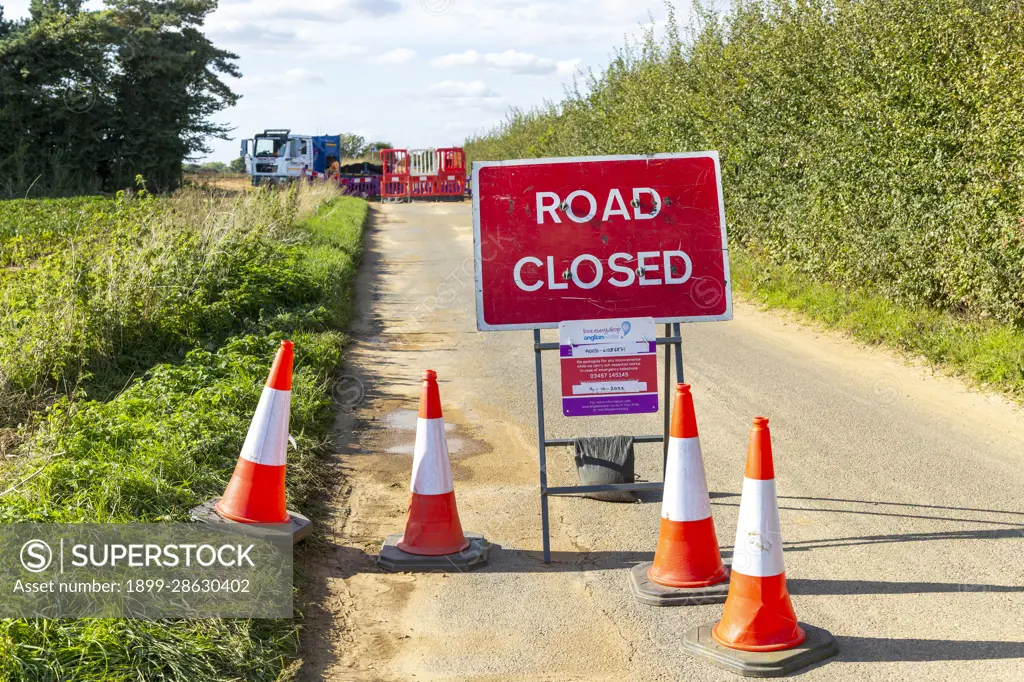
x=679 y=356
x=667 y=401
x=542 y=447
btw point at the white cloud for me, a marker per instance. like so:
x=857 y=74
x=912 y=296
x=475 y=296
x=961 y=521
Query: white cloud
x=510 y=60
x=401 y=55
x=461 y=89
x=290 y=77
x=461 y=95
x=467 y=58
x=332 y=61
x=304 y=76
x=569 y=67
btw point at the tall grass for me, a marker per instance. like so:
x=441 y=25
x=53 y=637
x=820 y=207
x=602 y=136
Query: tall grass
x=126 y=282
x=241 y=273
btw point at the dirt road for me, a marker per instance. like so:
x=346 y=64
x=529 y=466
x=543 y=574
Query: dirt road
x=900 y=493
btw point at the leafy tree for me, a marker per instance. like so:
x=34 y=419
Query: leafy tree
x=351 y=145
x=373 y=148
x=237 y=165
x=90 y=99
x=167 y=85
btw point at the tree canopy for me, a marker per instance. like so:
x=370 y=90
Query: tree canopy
x=90 y=99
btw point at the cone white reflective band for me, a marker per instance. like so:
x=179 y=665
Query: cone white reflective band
x=267 y=440
x=431 y=473
x=758 y=549
x=686 y=488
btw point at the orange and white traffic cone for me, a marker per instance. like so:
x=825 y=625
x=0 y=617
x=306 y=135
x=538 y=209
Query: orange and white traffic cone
x=256 y=493
x=433 y=537
x=758 y=615
x=687 y=566
x=432 y=527
x=758 y=625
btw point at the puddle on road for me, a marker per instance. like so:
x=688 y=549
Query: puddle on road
x=401 y=438
x=454 y=445
x=406 y=420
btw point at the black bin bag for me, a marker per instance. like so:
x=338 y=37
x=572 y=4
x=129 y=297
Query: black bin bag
x=606 y=459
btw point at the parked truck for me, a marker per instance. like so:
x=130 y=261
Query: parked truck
x=277 y=156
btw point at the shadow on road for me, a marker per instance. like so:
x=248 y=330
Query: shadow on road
x=1016 y=533
x=803 y=586
x=862 y=512
x=524 y=561
x=878 y=649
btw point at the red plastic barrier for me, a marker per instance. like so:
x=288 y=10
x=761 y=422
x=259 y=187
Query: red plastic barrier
x=423 y=186
x=451 y=184
x=395 y=181
x=451 y=160
x=394 y=187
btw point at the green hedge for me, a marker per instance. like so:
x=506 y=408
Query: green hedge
x=868 y=143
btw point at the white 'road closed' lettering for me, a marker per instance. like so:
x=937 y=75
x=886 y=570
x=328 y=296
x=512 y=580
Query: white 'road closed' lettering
x=549 y=204
x=648 y=268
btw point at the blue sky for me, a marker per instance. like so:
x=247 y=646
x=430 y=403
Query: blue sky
x=419 y=73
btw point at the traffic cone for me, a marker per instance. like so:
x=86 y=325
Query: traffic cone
x=758 y=614
x=255 y=493
x=687 y=554
x=432 y=527
x=687 y=566
x=758 y=635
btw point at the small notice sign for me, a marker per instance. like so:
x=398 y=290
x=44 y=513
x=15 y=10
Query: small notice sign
x=608 y=367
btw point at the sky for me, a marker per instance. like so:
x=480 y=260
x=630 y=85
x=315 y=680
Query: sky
x=417 y=73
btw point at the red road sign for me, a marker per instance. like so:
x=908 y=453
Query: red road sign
x=600 y=237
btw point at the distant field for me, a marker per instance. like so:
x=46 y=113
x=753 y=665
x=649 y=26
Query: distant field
x=230 y=181
x=135 y=336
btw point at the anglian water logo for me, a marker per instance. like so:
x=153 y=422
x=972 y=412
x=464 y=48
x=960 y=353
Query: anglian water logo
x=36 y=556
x=607 y=334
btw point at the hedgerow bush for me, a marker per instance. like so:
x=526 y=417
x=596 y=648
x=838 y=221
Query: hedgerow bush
x=867 y=143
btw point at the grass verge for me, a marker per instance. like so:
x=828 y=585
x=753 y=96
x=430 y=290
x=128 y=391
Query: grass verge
x=986 y=352
x=169 y=441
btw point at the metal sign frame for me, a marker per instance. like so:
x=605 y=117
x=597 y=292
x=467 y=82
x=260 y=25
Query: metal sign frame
x=671 y=341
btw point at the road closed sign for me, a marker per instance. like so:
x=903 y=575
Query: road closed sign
x=600 y=238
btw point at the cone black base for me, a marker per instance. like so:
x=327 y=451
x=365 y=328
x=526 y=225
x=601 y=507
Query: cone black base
x=649 y=592
x=395 y=560
x=819 y=645
x=302 y=527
